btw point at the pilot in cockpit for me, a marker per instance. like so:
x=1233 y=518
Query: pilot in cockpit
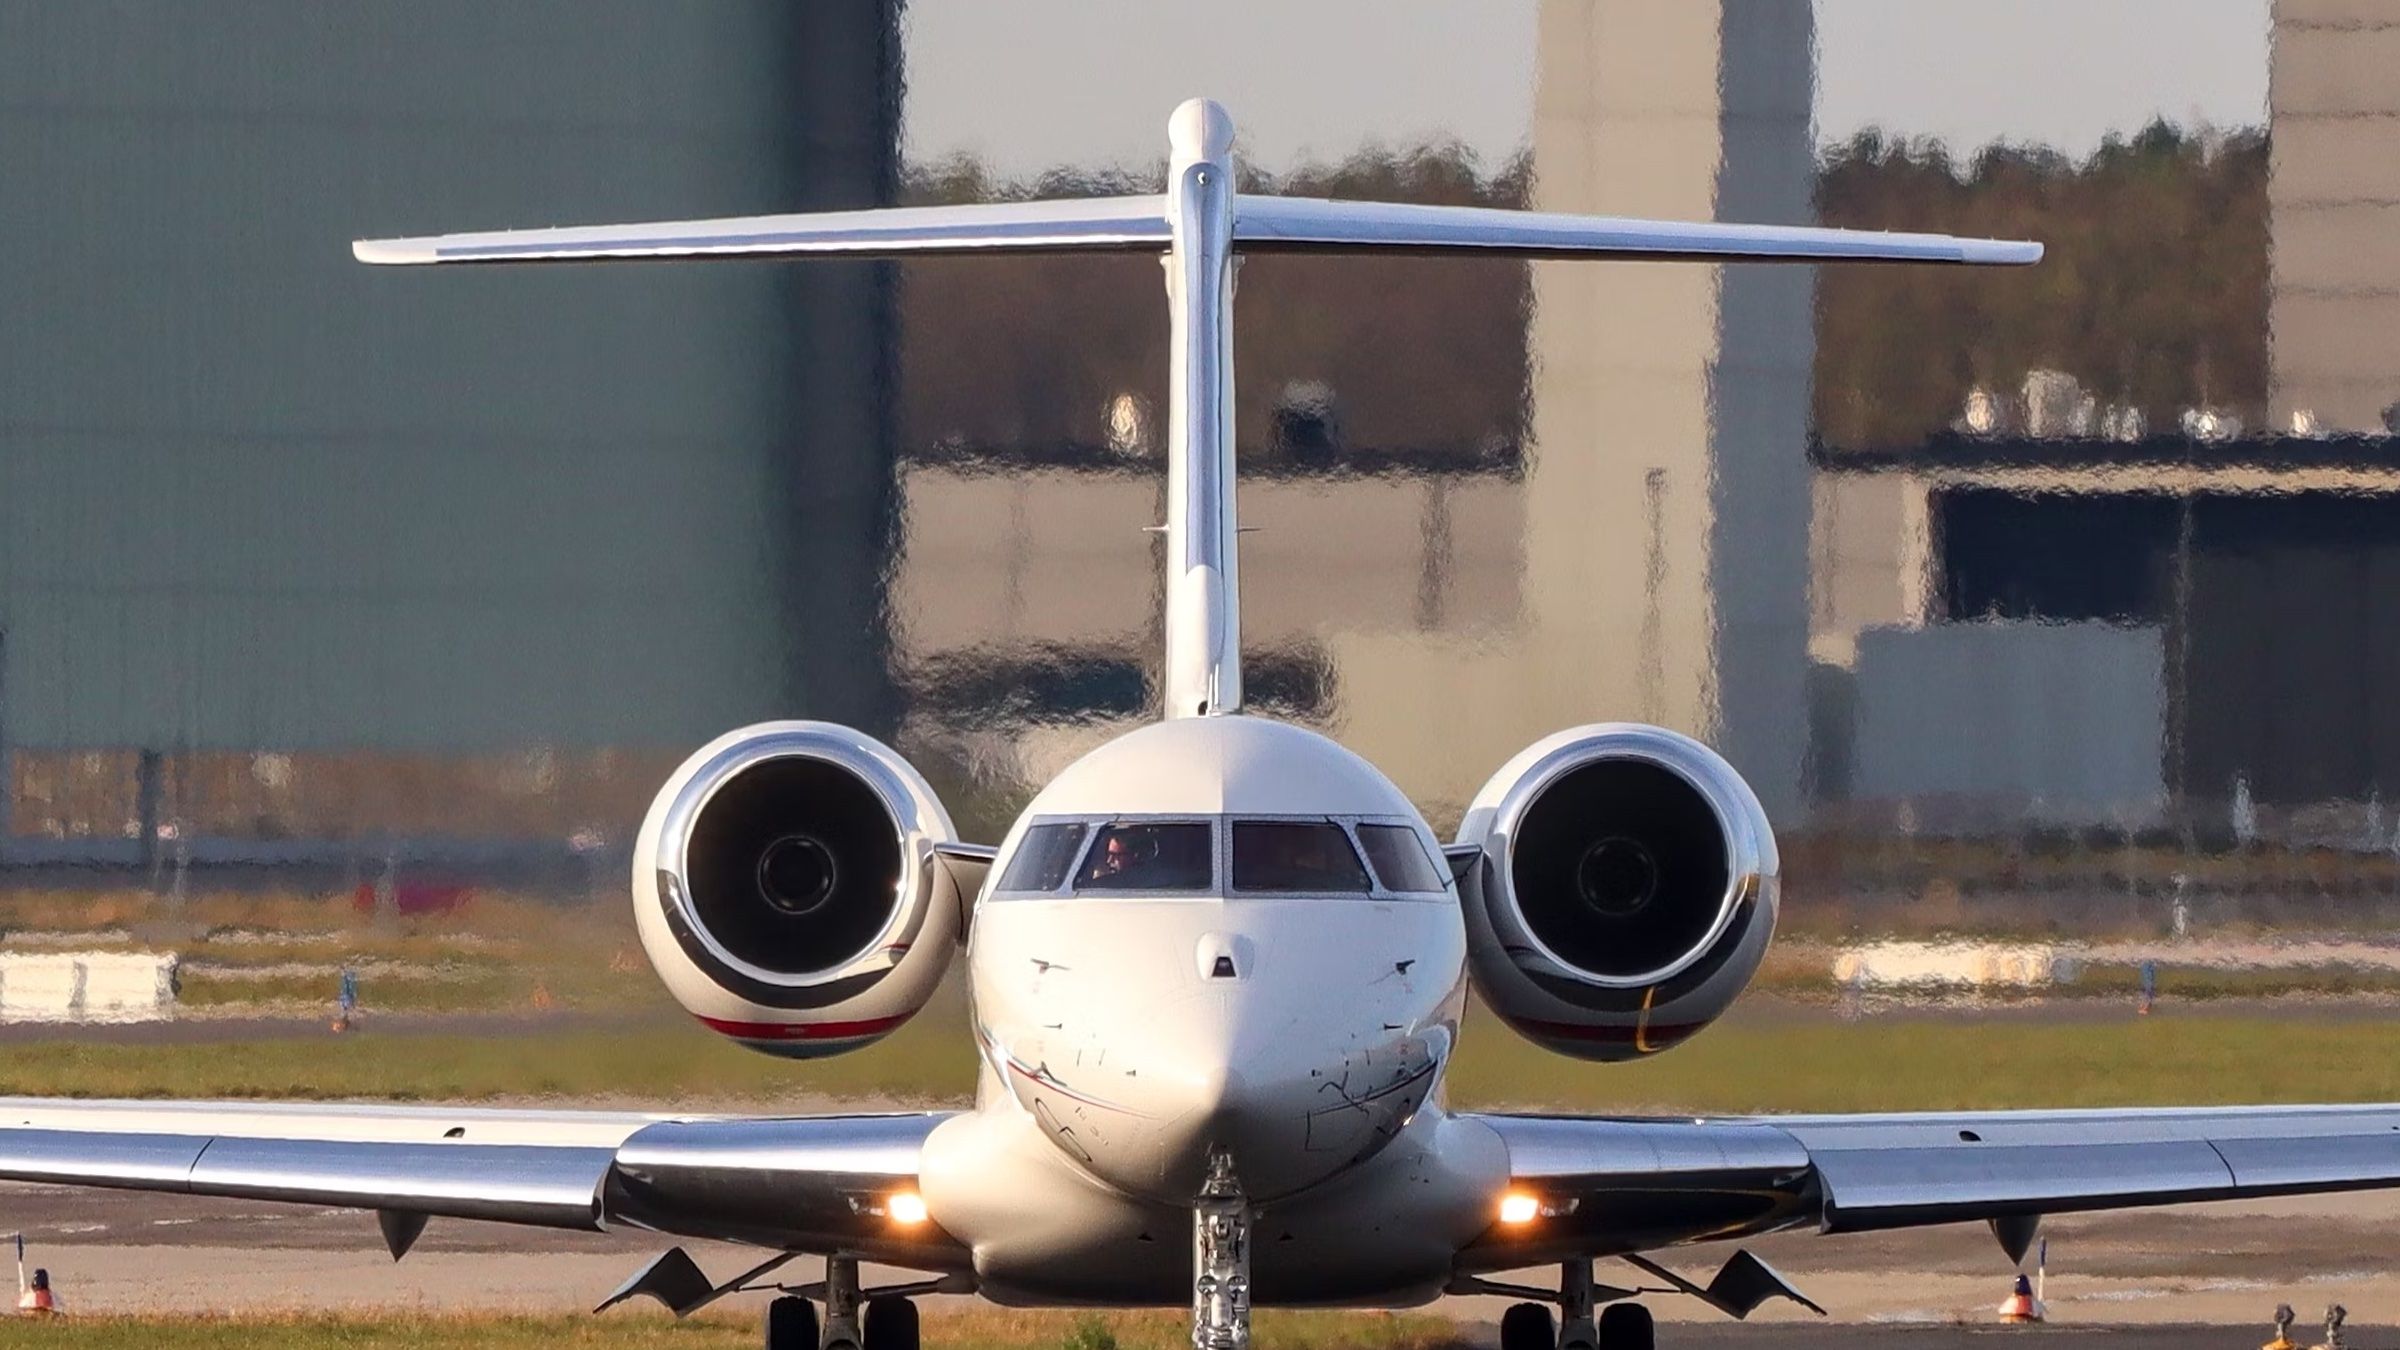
x=1118 y=854
x=1126 y=858
x=1149 y=856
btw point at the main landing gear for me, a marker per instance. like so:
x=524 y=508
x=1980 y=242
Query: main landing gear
x=1616 y=1326
x=1739 y=1288
x=883 y=1322
x=1621 y=1326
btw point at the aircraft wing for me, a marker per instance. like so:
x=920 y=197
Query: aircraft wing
x=1608 y=1186
x=809 y=1184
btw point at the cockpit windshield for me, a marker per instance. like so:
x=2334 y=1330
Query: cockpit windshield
x=1149 y=856
x=1306 y=857
x=1044 y=857
x=1295 y=857
x=1400 y=859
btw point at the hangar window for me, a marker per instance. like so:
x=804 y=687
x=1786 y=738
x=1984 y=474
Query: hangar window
x=1150 y=855
x=1399 y=859
x=1306 y=857
x=1044 y=857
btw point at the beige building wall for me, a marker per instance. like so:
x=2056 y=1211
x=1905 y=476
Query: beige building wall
x=1017 y=561
x=1870 y=559
x=1667 y=496
x=1006 y=566
x=2334 y=106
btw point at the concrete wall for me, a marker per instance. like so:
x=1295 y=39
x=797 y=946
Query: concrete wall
x=1023 y=559
x=1871 y=559
x=2002 y=722
x=2334 y=98
x=256 y=496
x=1667 y=496
x=87 y=986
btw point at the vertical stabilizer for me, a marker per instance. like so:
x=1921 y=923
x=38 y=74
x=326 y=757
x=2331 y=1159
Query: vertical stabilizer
x=1203 y=621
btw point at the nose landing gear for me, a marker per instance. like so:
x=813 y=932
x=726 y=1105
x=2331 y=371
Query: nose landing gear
x=1220 y=1261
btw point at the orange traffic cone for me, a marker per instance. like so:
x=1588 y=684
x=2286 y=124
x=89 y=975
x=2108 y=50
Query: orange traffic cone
x=2020 y=1305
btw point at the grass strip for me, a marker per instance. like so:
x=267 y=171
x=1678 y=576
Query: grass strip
x=1811 y=1064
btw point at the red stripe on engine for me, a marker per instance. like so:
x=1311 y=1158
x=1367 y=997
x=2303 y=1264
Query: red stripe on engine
x=803 y=1031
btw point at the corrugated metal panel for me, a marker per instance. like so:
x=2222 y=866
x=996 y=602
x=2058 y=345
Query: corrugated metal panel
x=254 y=495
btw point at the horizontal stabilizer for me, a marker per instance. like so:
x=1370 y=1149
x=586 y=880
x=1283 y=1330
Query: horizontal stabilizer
x=1139 y=224
x=1092 y=224
x=1308 y=225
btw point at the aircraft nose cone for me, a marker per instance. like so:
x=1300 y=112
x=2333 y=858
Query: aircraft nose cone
x=1215 y=1077
x=1204 y=1106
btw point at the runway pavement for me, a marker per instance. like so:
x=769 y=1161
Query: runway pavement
x=2187 y=1337
x=2223 y=1265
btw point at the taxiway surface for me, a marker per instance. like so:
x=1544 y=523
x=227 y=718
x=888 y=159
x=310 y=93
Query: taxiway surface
x=2225 y=1265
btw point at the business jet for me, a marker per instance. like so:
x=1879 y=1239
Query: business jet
x=1218 y=966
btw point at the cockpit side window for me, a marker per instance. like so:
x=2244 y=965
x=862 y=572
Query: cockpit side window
x=1399 y=859
x=1307 y=857
x=1044 y=857
x=1149 y=856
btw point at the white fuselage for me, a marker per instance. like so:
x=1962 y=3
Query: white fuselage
x=1128 y=1037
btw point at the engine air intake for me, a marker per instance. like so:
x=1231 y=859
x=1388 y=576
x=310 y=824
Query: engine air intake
x=787 y=888
x=794 y=864
x=1619 y=868
x=1626 y=890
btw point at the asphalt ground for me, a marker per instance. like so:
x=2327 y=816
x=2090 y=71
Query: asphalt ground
x=2225 y=1266
x=2192 y=1276
x=2184 y=1337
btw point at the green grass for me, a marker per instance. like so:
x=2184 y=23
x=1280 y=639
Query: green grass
x=465 y=990
x=1803 y=1063
x=983 y=1329
x=663 y=1062
x=1892 y=1064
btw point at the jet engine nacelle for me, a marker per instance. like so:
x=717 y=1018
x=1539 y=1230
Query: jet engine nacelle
x=787 y=891
x=1626 y=891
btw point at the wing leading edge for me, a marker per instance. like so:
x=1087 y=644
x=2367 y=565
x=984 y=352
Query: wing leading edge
x=811 y=1184
x=1614 y=1185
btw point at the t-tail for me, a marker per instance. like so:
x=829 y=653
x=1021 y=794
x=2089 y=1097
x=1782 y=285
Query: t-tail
x=1197 y=226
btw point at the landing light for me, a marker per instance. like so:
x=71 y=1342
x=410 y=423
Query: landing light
x=905 y=1207
x=1518 y=1207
